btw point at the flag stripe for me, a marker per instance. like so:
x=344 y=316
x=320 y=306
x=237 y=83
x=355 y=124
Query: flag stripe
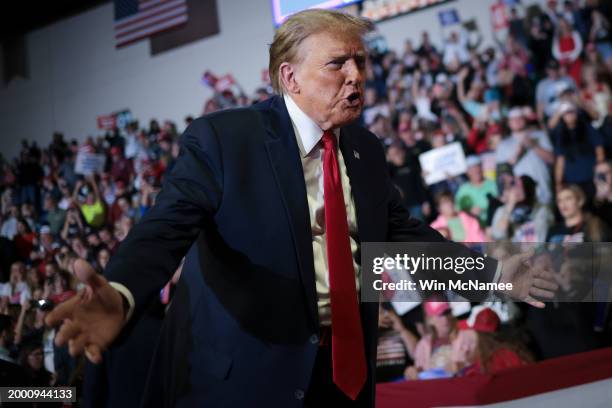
x=143 y=15
x=145 y=33
x=142 y=18
x=147 y=4
x=170 y=14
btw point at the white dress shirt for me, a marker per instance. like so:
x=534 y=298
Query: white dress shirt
x=309 y=135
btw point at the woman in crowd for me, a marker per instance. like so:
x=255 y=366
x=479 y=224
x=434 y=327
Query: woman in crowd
x=577 y=148
x=432 y=355
x=521 y=218
x=24 y=240
x=567 y=47
x=32 y=359
x=479 y=349
x=93 y=209
x=461 y=226
x=16 y=289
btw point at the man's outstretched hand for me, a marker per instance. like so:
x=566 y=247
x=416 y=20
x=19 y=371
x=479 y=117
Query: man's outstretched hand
x=92 y=319
x=528 y=283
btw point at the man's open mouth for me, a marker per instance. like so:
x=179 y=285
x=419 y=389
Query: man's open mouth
x=354 y=98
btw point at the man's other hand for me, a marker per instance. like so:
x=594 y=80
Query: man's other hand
x=528 y=283
x=91 y=320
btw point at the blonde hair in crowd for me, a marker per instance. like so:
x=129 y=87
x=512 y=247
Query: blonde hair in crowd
x=299 y=26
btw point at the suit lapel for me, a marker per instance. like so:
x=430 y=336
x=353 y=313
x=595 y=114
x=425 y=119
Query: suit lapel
x=351 y=154
x=284 y=156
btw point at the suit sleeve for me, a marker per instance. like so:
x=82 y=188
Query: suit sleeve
x=190 y=196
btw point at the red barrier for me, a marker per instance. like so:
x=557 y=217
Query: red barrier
x=514 y=383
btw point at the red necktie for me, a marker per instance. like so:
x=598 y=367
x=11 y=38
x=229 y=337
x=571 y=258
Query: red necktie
x=348 y=353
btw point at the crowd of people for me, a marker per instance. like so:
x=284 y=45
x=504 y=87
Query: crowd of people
x=532 y=116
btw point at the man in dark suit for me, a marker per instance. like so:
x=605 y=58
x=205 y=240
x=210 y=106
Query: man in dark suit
x=269 y=204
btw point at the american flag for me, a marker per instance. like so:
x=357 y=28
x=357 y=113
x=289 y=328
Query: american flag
x=137 y=19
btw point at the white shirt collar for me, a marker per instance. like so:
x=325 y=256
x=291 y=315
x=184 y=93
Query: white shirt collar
x=306 y=130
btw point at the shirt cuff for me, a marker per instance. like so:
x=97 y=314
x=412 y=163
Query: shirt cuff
x=127 y=295
x=498 y=271
x=492 y=297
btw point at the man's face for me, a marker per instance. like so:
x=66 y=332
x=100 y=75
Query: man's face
x=516 y=124
x=474 y=173
x=330 y=74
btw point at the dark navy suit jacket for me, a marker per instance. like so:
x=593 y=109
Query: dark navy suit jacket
x=242 y=328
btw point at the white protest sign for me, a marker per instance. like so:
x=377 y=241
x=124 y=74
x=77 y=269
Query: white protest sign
x=443 y=162
x=89 y=163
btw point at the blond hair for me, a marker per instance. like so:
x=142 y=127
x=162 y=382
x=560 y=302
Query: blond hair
x=301 y=25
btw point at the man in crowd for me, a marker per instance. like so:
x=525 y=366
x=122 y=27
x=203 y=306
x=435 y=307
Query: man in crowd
x=529 y=152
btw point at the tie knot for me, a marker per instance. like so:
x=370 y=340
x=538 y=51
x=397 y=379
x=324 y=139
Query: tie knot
x=329 y=140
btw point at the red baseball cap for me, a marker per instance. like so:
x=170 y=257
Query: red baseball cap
x=494 y=129
x=433 y=308
x=486 y=321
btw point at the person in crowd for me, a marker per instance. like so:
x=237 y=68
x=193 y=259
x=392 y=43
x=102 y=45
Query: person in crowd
x=456 y=48
x=27 y=331
x=513 y=74
x=24 y=240
x=478 y=347
x=9 y=226
x=102 y=258
x=577 y=148
x=433 y=351
x=473 y=195
x=396 y=345
x=107 y=238
x=596 y=94
x=6 y=335
x=567 y=47
x=29 y=174
x=600 y=35
x=528 y=152
x=73 y=225
x=29 y=215
x=32 y=359
x=16 y=289
x=33 y=279
x=576 y=225
x=602 y=206
x=521 y=218
x=45 y=247
x=461 y=226
x=121 y=168
x=405 y=173
x=569 y=327
x=540 y=42
x=92 y=209
x=66 y=194
x=484 y=136
x=547 y=90
x=54 y=216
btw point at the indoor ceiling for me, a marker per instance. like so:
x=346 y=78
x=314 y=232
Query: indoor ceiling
x=24 y=16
